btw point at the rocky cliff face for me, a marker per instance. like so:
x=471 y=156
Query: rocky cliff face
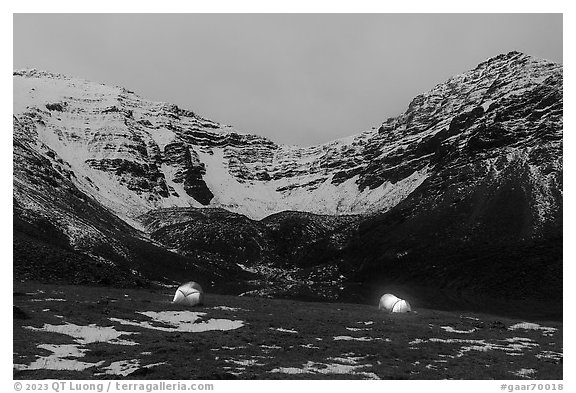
x=473 y=166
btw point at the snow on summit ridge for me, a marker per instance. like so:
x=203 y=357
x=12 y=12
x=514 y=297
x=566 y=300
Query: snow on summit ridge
x=133 y=155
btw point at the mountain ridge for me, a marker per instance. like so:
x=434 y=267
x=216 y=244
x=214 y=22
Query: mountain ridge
x=252 y=166
x=38 y=73
x=474 y=165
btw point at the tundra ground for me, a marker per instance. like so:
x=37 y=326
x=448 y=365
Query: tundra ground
x=82 y=332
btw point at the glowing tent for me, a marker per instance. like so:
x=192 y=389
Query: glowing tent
x=391 y=303
x=189 y=294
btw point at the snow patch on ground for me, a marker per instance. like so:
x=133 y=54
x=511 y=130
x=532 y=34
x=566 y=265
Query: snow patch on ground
x=126 y=367
x=244 y=362
x=87 y=334
x=270 y=347
x=226 y=308
x=351 y=368
x=284 y=330
x=181 y=321
x=37 y=292
x=48 y=300
x=59 y=359
x=512 y=346
x=450 y=329
x=121 y=367
x=524 y=372
x=346 y=359
x=471 y=318
x=350 y=338
x=546 y=331
x=550 y=355
x=352 y=329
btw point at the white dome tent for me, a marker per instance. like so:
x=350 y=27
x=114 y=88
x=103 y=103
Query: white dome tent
x=391 y=303
x=189 y=294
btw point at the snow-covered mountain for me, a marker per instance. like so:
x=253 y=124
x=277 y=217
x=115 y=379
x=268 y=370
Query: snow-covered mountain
x=133 y=155
x=483 y=147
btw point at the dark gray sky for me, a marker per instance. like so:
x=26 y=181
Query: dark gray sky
x=294 y=78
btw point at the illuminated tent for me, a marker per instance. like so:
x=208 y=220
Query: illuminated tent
x=391 y=303
x=189 y=294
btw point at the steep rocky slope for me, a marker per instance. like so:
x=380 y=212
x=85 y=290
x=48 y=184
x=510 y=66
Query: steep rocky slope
x=462 y=192
x=489 y=219
x=62 y=234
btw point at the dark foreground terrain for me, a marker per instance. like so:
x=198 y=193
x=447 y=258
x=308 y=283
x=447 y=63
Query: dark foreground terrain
x=81 y=332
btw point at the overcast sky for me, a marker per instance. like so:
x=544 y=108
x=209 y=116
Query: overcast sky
x=294 y=78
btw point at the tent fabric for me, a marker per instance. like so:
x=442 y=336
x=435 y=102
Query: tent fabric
x=190 y=294
x=391 y=303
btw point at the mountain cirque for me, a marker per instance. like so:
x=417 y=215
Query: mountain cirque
x=469 y=176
